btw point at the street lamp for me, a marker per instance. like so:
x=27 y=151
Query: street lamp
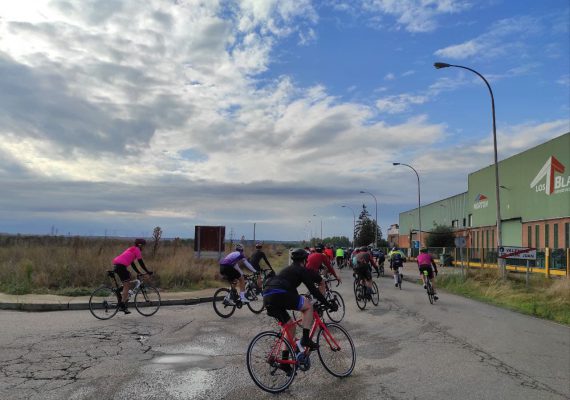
x=376 y=227
x=353 y=222
x=315 y=215
x=439 y=65
x=419 y=200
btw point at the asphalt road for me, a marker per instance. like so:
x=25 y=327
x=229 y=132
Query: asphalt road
x=406 y=349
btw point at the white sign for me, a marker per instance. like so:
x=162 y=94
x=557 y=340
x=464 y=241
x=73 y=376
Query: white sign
x=521 y=253
x=460 y=242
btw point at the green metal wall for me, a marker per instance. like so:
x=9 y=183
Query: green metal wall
x=518 y=198
x=520 y=202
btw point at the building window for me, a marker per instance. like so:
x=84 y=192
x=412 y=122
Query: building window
x=464 y=221
x=546 y=235
x=455 y=223
x=555 y=236
x=477 y=240
x=529 y=236
x=487 y=239
x=470 y=219
x=537 y=236
x=493 y=239
x=567 y=230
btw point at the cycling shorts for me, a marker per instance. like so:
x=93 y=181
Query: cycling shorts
x=229 y=272
x=427 y=268
x=363 y=271
x=123 y=272
x=277 y=304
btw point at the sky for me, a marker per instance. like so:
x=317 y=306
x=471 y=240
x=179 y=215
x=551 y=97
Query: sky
x=117 y=116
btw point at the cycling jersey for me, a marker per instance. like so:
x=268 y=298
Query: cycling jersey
x=339 y=252
x=315 y=262
x=128 y=256
x=232 y=260
x=425 y=259
x=329 y=253
x=256 y=258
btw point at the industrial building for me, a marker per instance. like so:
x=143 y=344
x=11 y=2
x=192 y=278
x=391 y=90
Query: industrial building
x=534 y=202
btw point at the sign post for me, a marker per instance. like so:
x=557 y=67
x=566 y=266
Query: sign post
x=461 y=243
x=519 y=253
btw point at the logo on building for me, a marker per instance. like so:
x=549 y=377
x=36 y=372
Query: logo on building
x=553 y=183
x=481 y=201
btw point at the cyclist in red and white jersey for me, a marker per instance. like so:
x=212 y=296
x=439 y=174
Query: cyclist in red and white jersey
x=318 y=259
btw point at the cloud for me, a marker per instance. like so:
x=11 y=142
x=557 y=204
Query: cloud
x=399 y=103
x=416 y=15
x=564 y=80
x=504 y=36
x=389 y=77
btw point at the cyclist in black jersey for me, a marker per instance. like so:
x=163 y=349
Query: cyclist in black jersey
x=256 y=258
x=281 y=294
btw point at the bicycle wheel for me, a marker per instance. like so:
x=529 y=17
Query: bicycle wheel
x=147 y=300
x=429 y=291
x=360 y=294
x=338 y=315
x=336 y=350
x=375 y=294
x=255 y=301
x=263 y=357
x=104 y=302
x=223 y=304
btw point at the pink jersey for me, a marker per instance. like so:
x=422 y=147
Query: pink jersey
x=128 y=256
x=424 y=259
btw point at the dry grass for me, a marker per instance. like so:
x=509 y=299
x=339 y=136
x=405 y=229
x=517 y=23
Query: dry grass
x=545 y=298
x=76 y=265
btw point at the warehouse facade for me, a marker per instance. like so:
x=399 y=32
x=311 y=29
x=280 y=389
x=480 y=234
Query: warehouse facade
x=535 y=203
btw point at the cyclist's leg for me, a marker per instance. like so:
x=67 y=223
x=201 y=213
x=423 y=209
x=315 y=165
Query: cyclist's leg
x=241 y=282
x=125 y=277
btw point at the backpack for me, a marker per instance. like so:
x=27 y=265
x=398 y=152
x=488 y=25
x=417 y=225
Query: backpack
x=397 y=261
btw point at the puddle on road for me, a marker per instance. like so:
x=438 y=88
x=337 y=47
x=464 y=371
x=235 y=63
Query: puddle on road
x=190 y=361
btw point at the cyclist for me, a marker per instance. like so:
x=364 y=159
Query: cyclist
x=230 y=269
x=396 y=258
x=426 y=263
x=374 y=264
x=329 y=252
x=363 y=268
x=120 y=264
x=256 y=258
x=380 y=258
x=340 y=257
x=318 y=259
x=281 y=294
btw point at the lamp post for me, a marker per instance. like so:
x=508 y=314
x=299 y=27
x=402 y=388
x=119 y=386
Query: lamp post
x=419 y=200
x=353 y=222
x=376 y=227
x=439 y=65
x=315 y=215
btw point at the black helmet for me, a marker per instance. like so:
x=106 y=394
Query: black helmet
x=319 y=247
x=364 y=248
x=239 y=247
x=140 y=242
x=423 y=250
x=298 y=254
x=258 y=245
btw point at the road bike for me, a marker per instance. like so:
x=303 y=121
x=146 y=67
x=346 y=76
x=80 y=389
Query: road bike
x=429 y=287
x=227 y=300
x=332 y=296
x=272 y=361
x=360 y=293
x=104 y=301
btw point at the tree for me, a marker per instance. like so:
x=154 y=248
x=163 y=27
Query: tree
x=441 y=236
x=156 y=235
x=337 y=241
x=365 y=229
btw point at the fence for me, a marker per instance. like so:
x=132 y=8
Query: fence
x=548 y=261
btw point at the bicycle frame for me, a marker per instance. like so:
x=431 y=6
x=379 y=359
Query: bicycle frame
x=275 y=354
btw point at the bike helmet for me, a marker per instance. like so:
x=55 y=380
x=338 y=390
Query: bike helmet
x=239 y=247
x=140 y=242
x=423 y=250
x=319 y=248
x=258 y=245
x=364 y=248
x=298 y=254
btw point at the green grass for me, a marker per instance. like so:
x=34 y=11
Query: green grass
x=544 y=298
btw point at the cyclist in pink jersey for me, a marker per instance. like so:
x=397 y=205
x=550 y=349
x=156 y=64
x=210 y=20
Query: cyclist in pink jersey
x=426 y=263
x=121 y=262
